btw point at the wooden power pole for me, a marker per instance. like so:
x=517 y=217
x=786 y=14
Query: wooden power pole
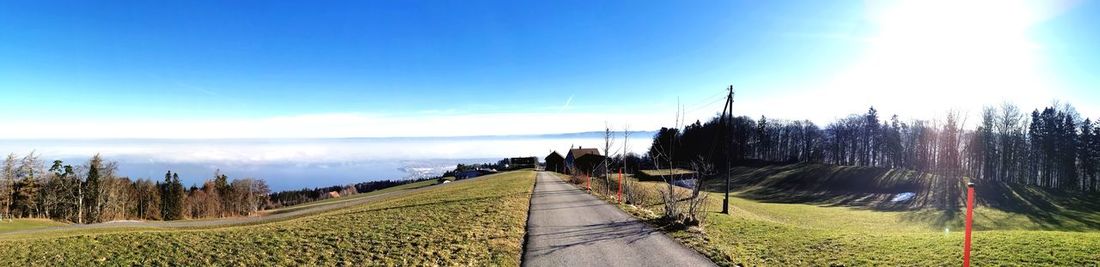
x=727 y=122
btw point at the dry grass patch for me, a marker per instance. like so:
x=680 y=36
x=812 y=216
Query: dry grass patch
x=473 y=222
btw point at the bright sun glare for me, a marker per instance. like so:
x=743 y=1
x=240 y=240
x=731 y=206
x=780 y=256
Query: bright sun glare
x=931 y=56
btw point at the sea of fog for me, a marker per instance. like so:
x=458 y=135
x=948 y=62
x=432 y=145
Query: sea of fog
x=301 y=163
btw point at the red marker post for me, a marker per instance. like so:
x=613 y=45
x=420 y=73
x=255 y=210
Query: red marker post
x=588 y=182
x=969 y=222
x=620 y=185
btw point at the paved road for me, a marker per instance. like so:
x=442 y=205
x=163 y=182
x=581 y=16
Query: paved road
x=569 y=227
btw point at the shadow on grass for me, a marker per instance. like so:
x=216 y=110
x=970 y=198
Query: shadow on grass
x=870 y=188
x=879 y=189
x=1048 y=209
x=1053 y=209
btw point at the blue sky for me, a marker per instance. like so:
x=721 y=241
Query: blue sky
x=434 y=68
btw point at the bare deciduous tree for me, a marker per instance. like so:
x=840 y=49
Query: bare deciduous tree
x=697 y=203
x=669 y=194
x=608 y=142
x=7 y=186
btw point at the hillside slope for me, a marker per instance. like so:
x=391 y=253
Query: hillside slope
x=266 y=216
x=819 y=215
x=473 y=222
x=902 y=190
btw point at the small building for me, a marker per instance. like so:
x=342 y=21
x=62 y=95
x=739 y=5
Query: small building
x=333 y=194
x=590 y=164
x=523 y=163
x=574 y=165
x=555 y=162
x=518 y=163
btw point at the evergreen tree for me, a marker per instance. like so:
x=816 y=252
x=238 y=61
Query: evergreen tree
x=1067 y=157
x=1035 y=139
x=1094 y=149
x=987 y=146
x=1052 y=149
x=224 y=191
x=763 y=141
x=178 y=193
x=172 y=194
x=871 y=138
x=1087 y=156
x=92 y=188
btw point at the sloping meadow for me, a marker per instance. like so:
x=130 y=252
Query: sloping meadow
x=474 y=222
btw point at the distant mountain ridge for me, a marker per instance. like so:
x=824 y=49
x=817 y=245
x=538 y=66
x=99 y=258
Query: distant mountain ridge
x=591 y=134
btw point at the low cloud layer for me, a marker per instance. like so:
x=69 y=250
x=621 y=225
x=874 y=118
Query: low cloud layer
x=296 y=163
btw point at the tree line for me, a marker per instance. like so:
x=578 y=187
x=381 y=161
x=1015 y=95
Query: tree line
x=1053 y=147
x=93 y=192
x=295 y=197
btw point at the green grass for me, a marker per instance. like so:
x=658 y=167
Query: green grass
x=792 y=234
x=799 y=234
x=473 y=222
x=353 y=197
x=661 y=172
x=26 y=224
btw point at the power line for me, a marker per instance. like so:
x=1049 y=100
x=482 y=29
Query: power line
x=709 y=98
x=707 y=105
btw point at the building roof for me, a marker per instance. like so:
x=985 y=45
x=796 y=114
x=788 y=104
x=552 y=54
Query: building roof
x=578 y=152
x=554 y=155
x=590 y=157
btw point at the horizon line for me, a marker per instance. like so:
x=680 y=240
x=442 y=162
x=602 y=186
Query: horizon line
x=560 y=134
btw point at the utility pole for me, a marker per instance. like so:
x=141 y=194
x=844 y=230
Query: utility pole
x=727 y=121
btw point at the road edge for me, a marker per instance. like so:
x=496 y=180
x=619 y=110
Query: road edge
x=527 y=222
x=644 y=221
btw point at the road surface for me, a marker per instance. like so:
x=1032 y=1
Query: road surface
x=569 y=227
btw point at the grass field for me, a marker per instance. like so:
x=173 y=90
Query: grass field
x=799 y=234
x=473 y=222
x=353 y=197
x=26 y=224
x=792 y=234
x=661 y=172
